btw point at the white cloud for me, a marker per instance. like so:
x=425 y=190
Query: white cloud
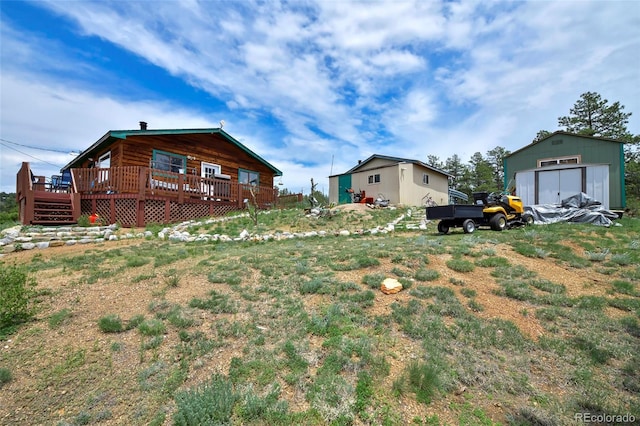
x=343 y=80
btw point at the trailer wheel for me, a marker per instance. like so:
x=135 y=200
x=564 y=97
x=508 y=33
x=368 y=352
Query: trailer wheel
x=468 y=226
x=443 y=227
x=498 y=222
x=527 y=219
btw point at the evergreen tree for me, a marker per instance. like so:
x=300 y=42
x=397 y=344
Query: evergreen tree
x=481 y=174
x=434 y=161
x=495 y=158
x=541 y=135
x=454 y=166
x=593 y=116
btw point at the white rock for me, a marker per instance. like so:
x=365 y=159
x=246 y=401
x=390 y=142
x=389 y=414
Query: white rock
x=390 y=286
x=12 y=232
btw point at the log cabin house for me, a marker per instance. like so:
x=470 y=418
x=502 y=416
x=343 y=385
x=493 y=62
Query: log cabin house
x=136 y=177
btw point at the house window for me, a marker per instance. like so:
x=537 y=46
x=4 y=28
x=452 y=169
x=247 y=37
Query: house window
x=374 y=178
x=573 y=159
x=168 y=162
x=425 y=179
x=248 y=177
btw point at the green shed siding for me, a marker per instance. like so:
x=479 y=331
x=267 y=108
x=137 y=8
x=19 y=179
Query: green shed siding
x=591 y=151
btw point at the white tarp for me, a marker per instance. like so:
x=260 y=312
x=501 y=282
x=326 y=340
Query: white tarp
x=577 y=208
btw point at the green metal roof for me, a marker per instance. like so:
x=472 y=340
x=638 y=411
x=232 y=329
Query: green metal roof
x=112 y=135
x=561 y=132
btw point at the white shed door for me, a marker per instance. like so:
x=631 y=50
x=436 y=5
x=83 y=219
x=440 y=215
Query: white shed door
x=556 y=185
x=526 y=187
x=598 y=184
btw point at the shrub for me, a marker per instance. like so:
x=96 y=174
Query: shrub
x=55 y=320
x=426 y=275
x=492 y=262
x=366 y=262
x=110 y=324
x=217 y=303
x=84 y=221
x=152 y=327
x=364 y=391
x=135 y=321
x=16 y=296
x=211 y=403
x=597 y=256
x=5 y=376
x=460 y=265
x=311 y=286
x=373 y=280
x=624 y=287
x=423 y=381
x=468 y=292
x=137 y=261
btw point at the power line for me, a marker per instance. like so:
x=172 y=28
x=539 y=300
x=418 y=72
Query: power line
x=34 y=147
x=29 y=155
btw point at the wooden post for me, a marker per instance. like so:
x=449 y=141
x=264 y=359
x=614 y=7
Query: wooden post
x=140 y=202
x=112 y=209
x=142 y=182
x=180 y=188
x=29 y=207
x=76 y=205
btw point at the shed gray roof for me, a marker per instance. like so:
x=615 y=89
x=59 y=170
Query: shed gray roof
x=395 y=160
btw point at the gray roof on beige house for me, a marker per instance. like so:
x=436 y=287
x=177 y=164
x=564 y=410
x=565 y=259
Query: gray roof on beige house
x=361 y=166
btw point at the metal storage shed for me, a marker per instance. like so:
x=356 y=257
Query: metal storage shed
x=565 y=164
x=550 y=185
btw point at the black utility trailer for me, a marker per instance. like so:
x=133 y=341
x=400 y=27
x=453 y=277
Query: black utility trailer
x=456 y=215
x=499 y=211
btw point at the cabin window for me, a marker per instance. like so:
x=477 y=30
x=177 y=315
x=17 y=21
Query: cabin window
x=572 y=159
x=374 y=178
x=248 y=177
x=425 y=179
x=168 y=162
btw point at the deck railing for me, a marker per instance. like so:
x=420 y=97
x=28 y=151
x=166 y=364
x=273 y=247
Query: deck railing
x=135 y=196
x=147 y=181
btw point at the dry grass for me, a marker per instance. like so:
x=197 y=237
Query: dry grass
x=290 y=325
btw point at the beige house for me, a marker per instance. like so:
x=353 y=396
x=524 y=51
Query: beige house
x=399 y=180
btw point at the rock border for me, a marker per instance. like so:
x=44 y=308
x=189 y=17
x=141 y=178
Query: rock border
x=18 y=238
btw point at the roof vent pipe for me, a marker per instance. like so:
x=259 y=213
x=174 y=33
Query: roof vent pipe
x=143 y=125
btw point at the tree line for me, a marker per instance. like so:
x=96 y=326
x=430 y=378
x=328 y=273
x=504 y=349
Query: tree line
x=590 y=116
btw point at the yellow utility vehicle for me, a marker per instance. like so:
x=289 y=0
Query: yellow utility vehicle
x=496 y=210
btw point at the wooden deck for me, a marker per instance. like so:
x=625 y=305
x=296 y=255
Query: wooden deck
x=133 y=196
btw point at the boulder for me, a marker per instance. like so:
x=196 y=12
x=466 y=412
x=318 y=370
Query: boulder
x=390 y=286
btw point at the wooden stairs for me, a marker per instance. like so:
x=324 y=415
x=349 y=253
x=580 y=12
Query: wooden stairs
x=53 y=208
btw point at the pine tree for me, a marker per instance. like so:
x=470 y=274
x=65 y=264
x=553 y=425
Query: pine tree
x=593 y=116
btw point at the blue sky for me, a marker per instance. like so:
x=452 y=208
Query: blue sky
x=311 y=86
